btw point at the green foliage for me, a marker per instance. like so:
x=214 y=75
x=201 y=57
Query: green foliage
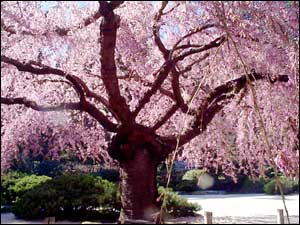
x=176 y=177
x=289 y=186
x=187 y=186
x=70 y=196
x=193 y=175
x=176 y=205
x=27 y=183
x=189 y=180
x=249 y=186
x=79 y=196
x=8 y=181
x=177 y=183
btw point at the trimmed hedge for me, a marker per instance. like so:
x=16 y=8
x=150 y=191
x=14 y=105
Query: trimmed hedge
x=70 y=196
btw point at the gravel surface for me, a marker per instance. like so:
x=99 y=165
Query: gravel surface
x=245 y=208
x=245 y=204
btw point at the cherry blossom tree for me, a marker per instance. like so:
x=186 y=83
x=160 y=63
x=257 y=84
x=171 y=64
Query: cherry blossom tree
x=133 y=81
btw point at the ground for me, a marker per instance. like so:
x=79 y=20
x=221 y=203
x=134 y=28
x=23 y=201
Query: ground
x=246 y=208
x=227 y=209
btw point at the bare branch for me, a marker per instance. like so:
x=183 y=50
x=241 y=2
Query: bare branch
x=170 y=10
x=190 y=66
x=115 y=4
x=168 y=67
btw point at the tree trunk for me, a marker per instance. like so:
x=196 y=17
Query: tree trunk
x=138 y=187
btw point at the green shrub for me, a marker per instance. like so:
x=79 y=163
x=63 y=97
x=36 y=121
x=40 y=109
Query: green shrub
x=79 y=197
x=289 y=186
x=249 y=186
x=176 y=177
x=187 y=186
x=70 y=196
x=176 y=205
x=193 y=175
x=189 y=181
x=8 y=181
x=27 y=183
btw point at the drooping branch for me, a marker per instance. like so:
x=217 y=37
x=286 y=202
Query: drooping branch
x=218 y=98
x=108 y=35
x=39 y=69
x=86 y=106
x=78 y=85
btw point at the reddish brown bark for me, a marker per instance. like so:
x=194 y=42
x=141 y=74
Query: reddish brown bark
x=138 y=187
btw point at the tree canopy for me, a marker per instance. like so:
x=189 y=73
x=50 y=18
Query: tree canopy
x=81 y=75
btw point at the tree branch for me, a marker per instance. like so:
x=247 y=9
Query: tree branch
x=156 y=28
x=108 y=34
x=42 y=70
x=162 y=75
x=218 y=98
x=213 y=44
x=197 y=30
x=165 y=118
x=168 y=66
x=87 y=107
x=35 y=106
x=79 y=86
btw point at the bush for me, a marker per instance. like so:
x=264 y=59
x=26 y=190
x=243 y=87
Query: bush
x=289 y=186
x=8 y=181
x=193 y=175
x=70 y=197
x=79 y=197
x=249 y=186
x=187 y=186
x=176 y=205
x=27 y=183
